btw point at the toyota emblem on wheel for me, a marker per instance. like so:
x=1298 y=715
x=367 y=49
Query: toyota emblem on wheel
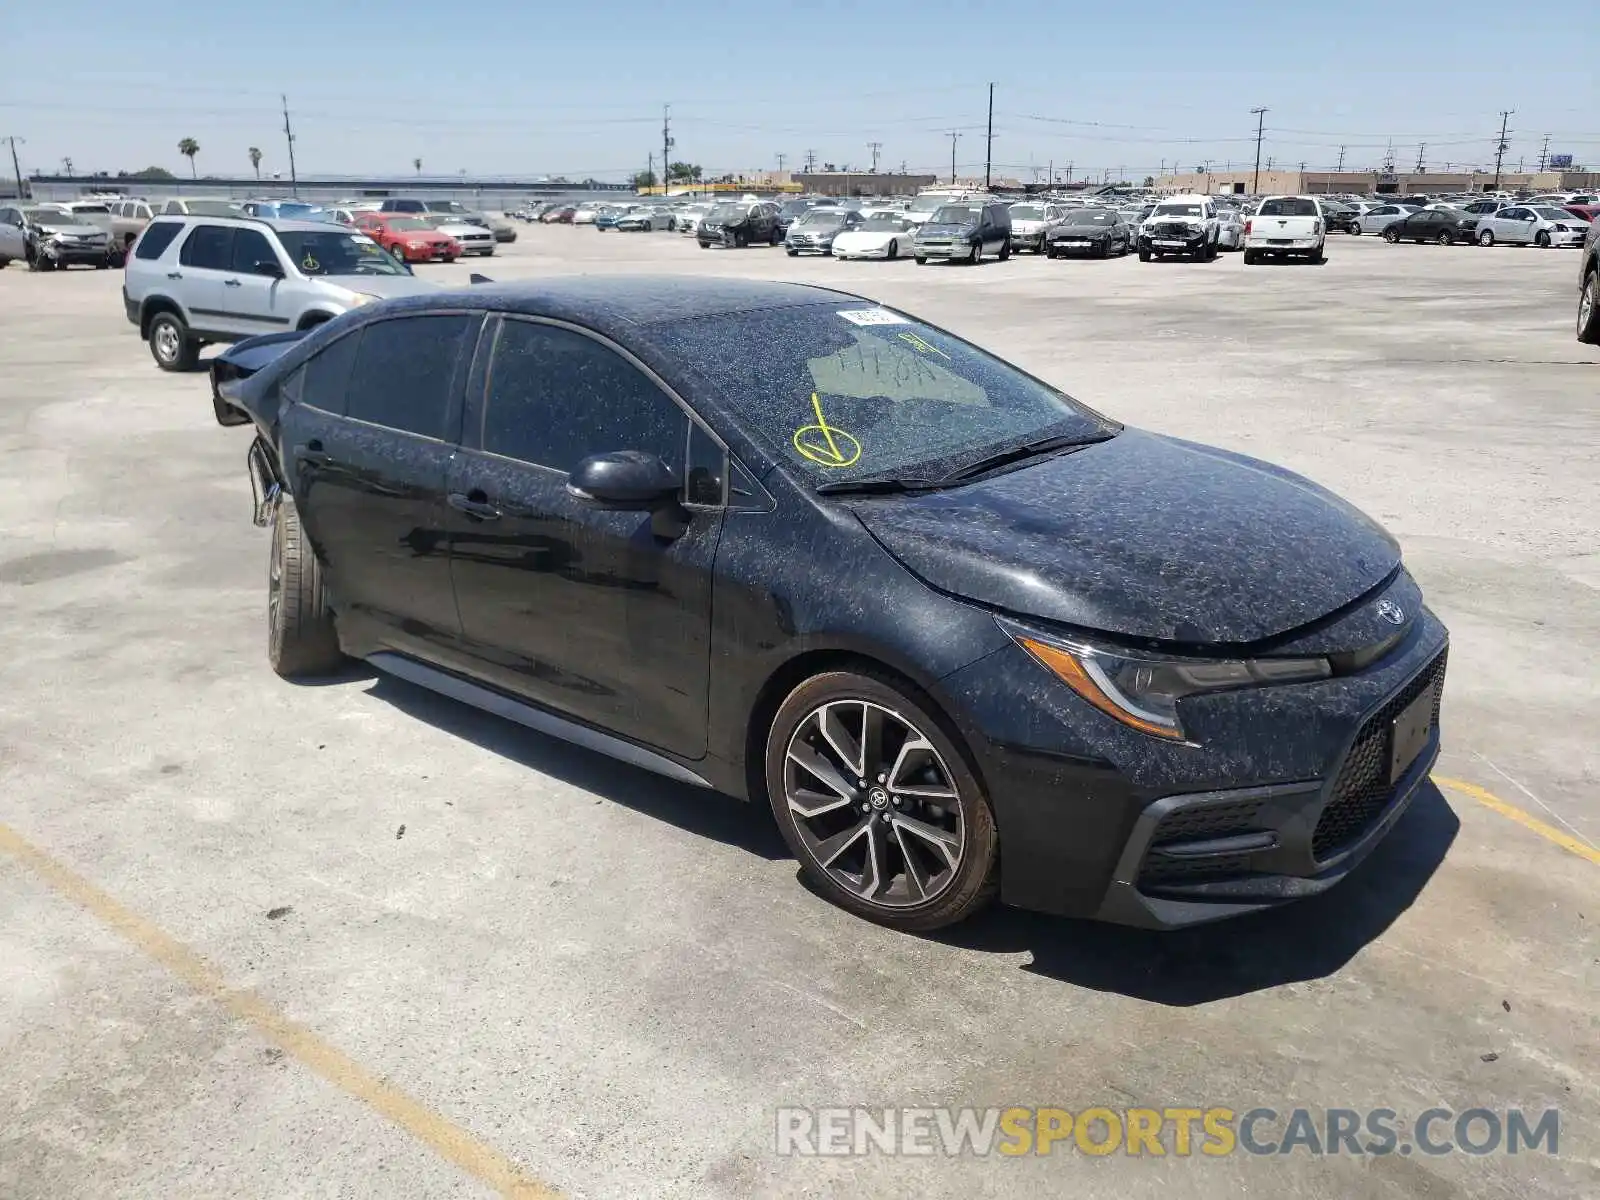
x=1391 y=612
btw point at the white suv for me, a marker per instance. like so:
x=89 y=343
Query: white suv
x=1181 y=225
x=199 y=279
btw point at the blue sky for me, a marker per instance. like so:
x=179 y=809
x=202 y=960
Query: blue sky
x=543 y=88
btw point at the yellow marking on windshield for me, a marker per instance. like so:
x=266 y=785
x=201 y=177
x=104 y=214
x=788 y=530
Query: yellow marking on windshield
x=309 y=264
x=837 y=449
x=913 y=340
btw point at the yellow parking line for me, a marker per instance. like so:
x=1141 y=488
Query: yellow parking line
x=1549 y=832
x=446 y=1139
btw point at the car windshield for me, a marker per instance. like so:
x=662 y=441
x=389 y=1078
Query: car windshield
x=90 y=208
x=338 y=252
x=445 y=206
x=290 y=211
x=956 y=214
x=845 y=392
x=408 y=224
x=211 y=208
x=1027 y=212
x=827 y=218
x=1176 y=210
x=928 y=204
x=1093 y=216
x=882 y=224
x=1554 y=214
x=793 y=208
x=51 y=216
x=432 y=220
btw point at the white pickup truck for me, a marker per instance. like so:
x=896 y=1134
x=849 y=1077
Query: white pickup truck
x=1292 y=226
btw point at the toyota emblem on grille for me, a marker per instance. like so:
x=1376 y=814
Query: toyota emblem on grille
x=1391 y=612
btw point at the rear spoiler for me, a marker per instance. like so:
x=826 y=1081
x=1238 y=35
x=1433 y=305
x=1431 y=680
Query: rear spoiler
x=236 y=364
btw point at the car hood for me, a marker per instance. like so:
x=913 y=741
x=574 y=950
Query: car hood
x=943 y=229
x=1142 y=536
x=55 y=227
x=422 y=235
x=1085 y=230
x=385 y=287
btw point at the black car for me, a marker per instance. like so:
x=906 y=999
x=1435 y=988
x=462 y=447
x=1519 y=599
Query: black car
x=789 y=210
x=1443 y=225
x=742 y=224
x=1339 y=218
x=1097 y=231
x=964 y=635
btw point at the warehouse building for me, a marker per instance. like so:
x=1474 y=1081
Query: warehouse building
x=861 y=183
x=1363 y=183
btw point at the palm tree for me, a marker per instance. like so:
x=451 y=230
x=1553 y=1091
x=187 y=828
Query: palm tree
x=255 y=160
x=417 y=163
x=189 y=148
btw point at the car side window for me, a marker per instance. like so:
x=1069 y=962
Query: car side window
x=327 y=374
x=404 y=371
x=556 y=396
x=158 y=235
x=208 y=246
x=250 y=247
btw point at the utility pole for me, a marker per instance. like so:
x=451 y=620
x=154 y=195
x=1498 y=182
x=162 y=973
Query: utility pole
x=12 y=142
x=988 y=145
x=288 y=133
x=811 y=161
x=666 y=144
x=875 y=149
x=954 y=137
x=66 y=165
x=1388 y=159
x=1261 y=126
x=1422 y=150
x=781 y=159
x=1069 y=172
x=1544 y=154
x=1340 y=167
x=649 y=168
x=1500 y=146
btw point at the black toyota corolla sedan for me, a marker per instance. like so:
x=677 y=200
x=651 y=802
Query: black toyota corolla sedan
x=966 y=636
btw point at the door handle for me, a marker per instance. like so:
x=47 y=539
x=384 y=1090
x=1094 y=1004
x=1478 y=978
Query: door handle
x=174 y=274
x=231 y=283
x=313 y=452
x=480 y=510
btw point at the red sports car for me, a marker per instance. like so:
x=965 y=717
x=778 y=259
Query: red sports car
x=408 y=238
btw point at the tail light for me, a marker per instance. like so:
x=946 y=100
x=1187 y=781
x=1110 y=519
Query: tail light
x=1247 y=225
x=1316 y=227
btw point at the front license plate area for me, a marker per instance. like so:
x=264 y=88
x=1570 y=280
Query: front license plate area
x=1408 y=735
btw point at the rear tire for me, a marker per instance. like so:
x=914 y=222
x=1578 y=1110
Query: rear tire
x=1486 y=237
x=1005 y=251
x=896 y=869
x=1316 y=258
x=1144 y=255
x=171 y=344
x=1392 y=236
x=1252 y=257
x=301 y=639
x=1446 y=238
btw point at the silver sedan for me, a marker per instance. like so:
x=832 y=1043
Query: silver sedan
x=1380 y=217
x=1532 y=224
x=1230 y=229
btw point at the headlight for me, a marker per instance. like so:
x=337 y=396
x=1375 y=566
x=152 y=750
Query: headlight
x=359 y=298
x=1143 y=690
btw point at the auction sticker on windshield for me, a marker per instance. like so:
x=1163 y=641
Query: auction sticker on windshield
x=873 y=316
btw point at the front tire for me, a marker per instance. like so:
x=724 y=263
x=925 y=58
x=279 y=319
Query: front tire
x=1445 y=238
x=170 y=343
x=894 y=249
x=1589 y=309
x=301 y=640
x=922 y=260
x=1005 y=251
x=1392 y=236
x=1542 y=240
x=878 y=803
x=977 y=254
x=792 y=253
x=1144 y=255
x=1486 y=237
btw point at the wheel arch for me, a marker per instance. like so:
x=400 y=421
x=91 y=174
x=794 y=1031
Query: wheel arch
x=314 y=318
x=153 y=306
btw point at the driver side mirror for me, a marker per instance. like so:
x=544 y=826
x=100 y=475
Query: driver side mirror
x=624 y=481
x=269 y=268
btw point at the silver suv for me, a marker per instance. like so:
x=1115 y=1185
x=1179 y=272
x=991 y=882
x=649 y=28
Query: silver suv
x=199 y=279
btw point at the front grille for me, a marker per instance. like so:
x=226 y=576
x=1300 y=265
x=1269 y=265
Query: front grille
x=1192 y=870
x=1194 y=823
x=1362 y=791
x=1172 y=231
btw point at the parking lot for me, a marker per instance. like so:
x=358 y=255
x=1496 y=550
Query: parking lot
x=355 y=939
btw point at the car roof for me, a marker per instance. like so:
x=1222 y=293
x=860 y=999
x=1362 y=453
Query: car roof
x=275 y=223
x=612 y=302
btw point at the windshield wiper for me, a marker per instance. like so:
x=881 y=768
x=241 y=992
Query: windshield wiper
x=869 y=485
x=1012 y=454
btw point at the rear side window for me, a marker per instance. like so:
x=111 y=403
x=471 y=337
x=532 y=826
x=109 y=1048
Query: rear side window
x=327 y=375
x=157 y=237
x=556 y=397
x=1289 y=206
x=208 y=246
x=403 y=372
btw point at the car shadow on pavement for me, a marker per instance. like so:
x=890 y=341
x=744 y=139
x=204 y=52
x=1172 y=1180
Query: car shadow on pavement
x=1305 y=940
x=696 y=810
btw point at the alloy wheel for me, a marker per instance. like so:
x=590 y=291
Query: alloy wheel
x=1586 y=301
x=275 y=576
x=166 y=342
x=874 y=803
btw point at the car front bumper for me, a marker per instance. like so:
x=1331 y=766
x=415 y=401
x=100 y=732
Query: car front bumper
x=1027 y=241
x=942 y=249
x=75 y=252
x=1079 y=245
x=1574 y=238
x=1280 y=794
x=1189 y=244
x=810 y=247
